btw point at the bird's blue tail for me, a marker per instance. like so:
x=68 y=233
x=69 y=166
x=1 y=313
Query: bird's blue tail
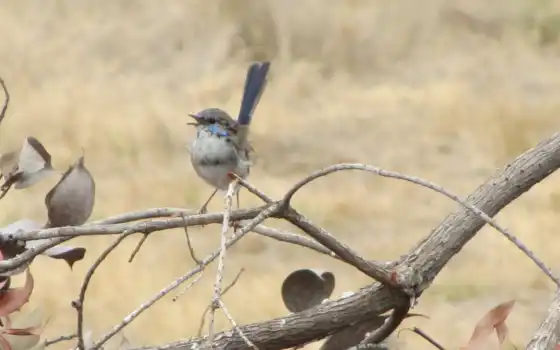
x=255 y=83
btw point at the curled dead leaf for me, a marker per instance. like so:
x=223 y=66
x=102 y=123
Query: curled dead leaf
x=306 y=288
x=70 y=202
x=14 y=298
x=66 y=253
x=492 y=320
x=25 y=168
x=23 y=331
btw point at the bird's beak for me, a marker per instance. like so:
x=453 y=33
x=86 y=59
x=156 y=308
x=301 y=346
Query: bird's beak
x=196 y=118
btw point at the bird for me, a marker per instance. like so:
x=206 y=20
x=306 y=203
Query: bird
x=221 y=144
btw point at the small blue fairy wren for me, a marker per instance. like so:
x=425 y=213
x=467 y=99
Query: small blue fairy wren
x=221 y=146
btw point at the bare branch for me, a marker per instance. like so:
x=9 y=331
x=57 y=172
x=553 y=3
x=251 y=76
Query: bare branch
x=221 y=258
x=416 y=271
x=191 y=249
x=137 y=248
x=150 y=226
x=422 y=264
x=60 y=235
x=390 y=325
x=288 y=237
x=62 y=338
x=426 y=337
x=235 y=327
x=226 y=289
x=269 y=211
x=547 y=335
x=253 y=190
x=130 y=317
x=143 y=215
x=391 y=174
x=373 y=269
x=79 y=304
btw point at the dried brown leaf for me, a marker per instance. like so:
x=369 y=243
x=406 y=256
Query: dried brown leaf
x=70 y=202
x=13 y=299
x=492 y=320
x=306 y=288
x=34 y=163
x=68 y=254
x=25 y=168
x=4 y=343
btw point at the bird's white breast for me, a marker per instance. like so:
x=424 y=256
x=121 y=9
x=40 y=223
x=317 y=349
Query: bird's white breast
x=214 y=157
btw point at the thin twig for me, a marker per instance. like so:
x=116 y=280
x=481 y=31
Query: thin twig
x=146 y=305
x=293 y=238
x=425 y=262
x=6 y=101
x=62 y=338
x=79 y=304
x=226 y=289
x=189 y=243
x=253 y=189
x=221 y=258
x=263 y=215
x=439 y=189
x=188 y=286
x=137 y=248
x=423 y=335
x=235 y=326
x=58 y=235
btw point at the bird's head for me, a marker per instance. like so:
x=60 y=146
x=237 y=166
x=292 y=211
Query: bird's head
x=211 y=116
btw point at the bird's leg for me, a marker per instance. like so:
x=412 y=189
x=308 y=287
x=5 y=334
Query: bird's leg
x=204 y=207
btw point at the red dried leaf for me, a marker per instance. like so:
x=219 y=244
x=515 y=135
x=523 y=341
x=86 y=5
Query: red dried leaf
x=24 y=331
x=5 y=344
x=13 y=299
x=3 y=282
x=493 y=320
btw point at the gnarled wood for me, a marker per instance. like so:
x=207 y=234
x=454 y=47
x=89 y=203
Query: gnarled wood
x=547 y=335
x=416 y=270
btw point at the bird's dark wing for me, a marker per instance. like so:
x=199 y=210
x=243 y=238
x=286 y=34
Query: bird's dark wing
x=255 y=83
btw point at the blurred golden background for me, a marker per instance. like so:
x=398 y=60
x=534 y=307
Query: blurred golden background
x=445 y=90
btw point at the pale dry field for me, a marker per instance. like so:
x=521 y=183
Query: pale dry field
x=446 y=90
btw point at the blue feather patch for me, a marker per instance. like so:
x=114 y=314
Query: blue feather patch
x=217 y=129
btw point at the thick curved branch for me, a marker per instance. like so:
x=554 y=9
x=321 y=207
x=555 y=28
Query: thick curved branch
x=270 y=210
x=416 y=270
x=419 y=268
x=375 y=270
x=547 y=335
x=390 y=325
x=60 y=235
x=427 y=184
x=303 y=327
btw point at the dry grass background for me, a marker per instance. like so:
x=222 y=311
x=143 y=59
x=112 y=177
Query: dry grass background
x=446 y=90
